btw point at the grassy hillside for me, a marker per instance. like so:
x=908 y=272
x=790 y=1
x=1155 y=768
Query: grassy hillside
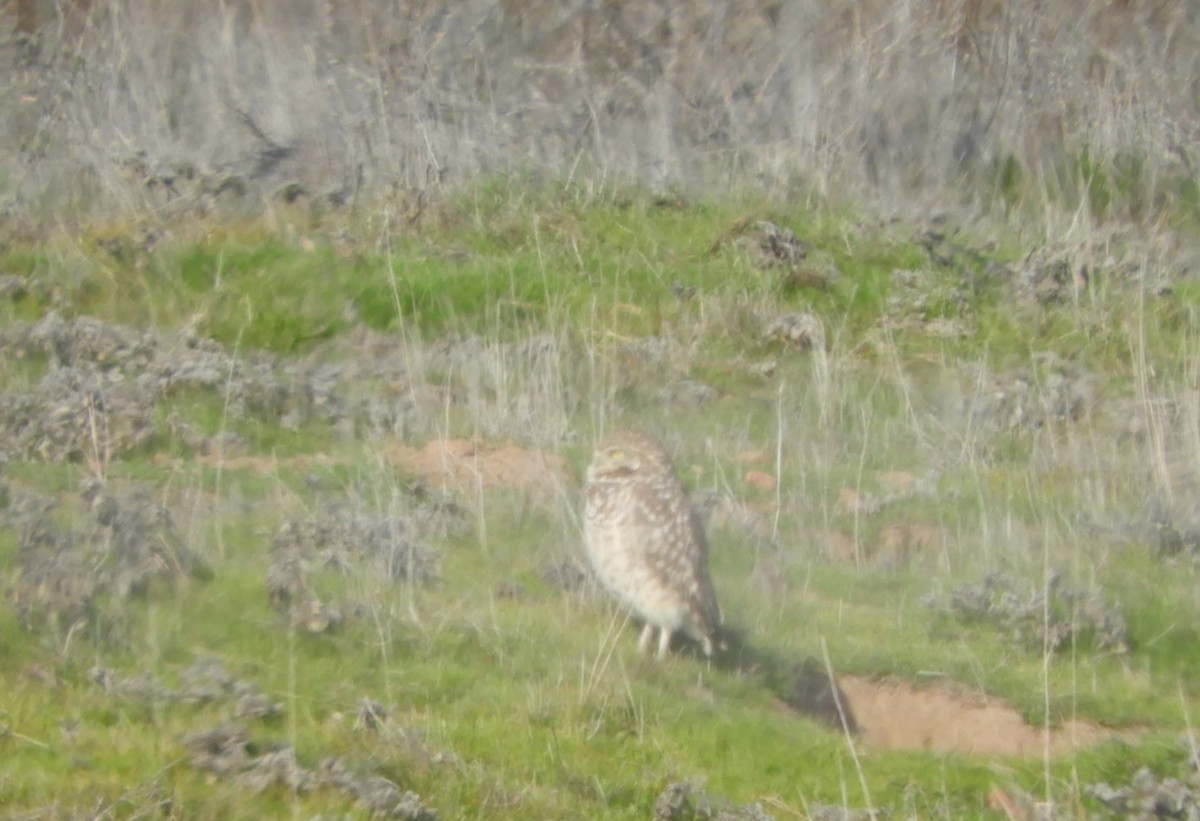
x=289 y=522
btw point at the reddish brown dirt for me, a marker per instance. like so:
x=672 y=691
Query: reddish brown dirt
x=464 y=464
x=893 y=715
x=454 y=464
x=760 y=480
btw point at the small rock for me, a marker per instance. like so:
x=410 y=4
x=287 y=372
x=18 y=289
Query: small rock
x=798 y=330
x=779 y=246
x=383 y=798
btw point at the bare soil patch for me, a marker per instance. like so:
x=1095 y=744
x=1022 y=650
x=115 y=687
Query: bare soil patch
x=893 y=715
x=465 y=464
x=448 y=464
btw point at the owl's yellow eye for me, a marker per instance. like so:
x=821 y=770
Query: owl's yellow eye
x=617 y=453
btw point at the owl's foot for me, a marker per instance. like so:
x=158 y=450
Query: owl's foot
x=664 y=643
x=713 y=644
x=664 y=640
x=646 y=637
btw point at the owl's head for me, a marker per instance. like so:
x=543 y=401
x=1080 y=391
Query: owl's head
x=625 y=454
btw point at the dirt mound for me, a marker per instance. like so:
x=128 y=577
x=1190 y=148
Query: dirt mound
x=466 y=464
x=442 y=464
x=893 y=715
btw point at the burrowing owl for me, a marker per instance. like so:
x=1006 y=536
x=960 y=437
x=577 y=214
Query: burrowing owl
x=646 y=544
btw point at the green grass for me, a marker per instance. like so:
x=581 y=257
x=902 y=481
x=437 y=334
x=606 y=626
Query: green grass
x=540 y=706
x=509 y=269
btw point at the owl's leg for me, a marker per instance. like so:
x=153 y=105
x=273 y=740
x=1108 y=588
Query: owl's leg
x=644 y=639
x=664 y=643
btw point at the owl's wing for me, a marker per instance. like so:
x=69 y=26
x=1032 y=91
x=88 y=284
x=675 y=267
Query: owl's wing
x=705 y=594
x=675 y=547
